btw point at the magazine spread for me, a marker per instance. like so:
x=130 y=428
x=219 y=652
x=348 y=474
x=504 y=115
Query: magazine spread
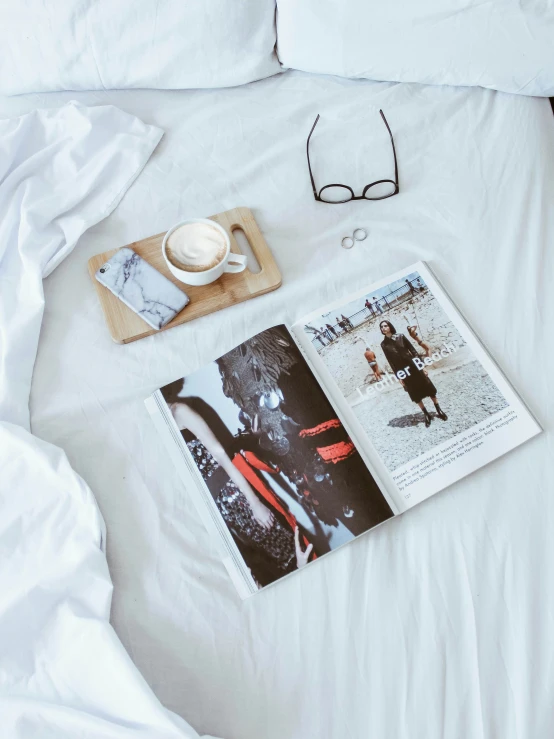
x=297 y=441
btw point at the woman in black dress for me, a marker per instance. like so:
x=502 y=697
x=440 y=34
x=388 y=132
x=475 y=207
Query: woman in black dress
x=399 y=351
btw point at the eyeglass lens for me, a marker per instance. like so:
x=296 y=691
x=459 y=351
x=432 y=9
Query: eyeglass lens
x=336 y=194
x=380 y=190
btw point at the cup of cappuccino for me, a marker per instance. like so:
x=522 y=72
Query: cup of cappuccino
x=198 y=251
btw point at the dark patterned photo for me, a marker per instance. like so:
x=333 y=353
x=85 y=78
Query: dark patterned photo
x=286 y=478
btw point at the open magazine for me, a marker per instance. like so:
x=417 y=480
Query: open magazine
x=302 y=438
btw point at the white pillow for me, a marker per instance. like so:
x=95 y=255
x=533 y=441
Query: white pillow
x=503 y=44
x=50 y=45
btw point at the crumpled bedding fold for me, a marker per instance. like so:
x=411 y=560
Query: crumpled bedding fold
x=63 y=671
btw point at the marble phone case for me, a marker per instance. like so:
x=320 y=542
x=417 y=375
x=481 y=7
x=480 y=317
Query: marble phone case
x=142 y=288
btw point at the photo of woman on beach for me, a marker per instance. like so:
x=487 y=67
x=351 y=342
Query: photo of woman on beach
x=410 y=378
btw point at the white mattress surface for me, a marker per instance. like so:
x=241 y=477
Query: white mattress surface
x=440 y=624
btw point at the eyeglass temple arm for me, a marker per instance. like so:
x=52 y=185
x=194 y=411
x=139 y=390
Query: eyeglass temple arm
x=308 y=155
x=393 y=148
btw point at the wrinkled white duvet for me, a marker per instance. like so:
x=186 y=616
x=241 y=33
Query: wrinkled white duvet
x=63 y=671
x=439 y=624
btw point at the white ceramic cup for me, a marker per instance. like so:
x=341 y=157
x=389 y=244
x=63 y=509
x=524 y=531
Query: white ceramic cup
x=231 y=262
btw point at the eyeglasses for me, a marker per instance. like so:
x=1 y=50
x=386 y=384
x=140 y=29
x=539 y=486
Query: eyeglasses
x=378 y=190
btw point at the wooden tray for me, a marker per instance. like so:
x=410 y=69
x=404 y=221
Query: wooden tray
x=125 y=326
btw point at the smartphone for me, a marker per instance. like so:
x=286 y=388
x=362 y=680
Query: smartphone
x=142 y=288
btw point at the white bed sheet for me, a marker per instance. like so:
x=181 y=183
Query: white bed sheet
x=441 y=622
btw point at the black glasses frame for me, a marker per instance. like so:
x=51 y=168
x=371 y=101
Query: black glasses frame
x=317 y=195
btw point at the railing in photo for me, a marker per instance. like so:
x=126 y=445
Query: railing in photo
x=377 y=308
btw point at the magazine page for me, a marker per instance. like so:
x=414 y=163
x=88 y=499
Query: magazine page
x=284 y=482
x=424 y=397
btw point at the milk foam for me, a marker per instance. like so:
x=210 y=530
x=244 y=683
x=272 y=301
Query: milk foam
x=196 y=247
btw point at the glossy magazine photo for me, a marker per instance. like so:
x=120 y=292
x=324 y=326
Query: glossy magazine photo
x=299 y=440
